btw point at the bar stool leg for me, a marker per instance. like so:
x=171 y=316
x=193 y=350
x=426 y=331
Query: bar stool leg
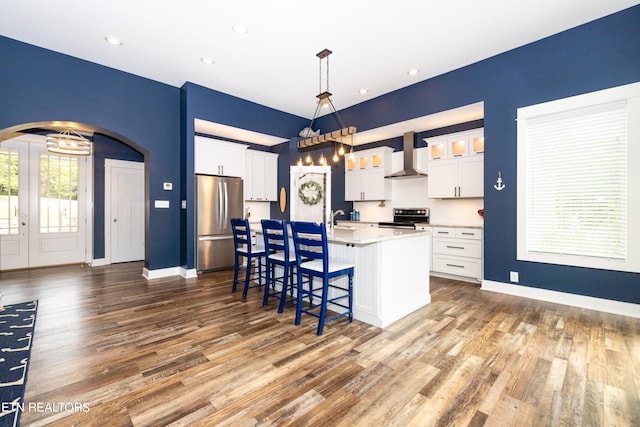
x=235 y=273
x=299 y=298
x=323 y=305
x=247 y=272
x=285 y=285
x=350 y=297
x=270 y=274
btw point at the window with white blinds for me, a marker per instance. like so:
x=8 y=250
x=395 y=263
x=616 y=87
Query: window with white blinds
x=576 y=186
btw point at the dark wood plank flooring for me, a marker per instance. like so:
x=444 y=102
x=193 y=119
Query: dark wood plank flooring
x=189 y=352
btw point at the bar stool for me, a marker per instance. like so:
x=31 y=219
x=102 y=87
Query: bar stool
x=243 y=249
x=276 y=245
x=312 y=258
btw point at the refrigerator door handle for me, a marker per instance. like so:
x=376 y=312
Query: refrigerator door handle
x=220 y=204
x=222 y=237
x=226 y=203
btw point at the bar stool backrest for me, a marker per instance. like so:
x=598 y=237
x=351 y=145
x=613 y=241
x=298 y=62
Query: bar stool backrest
x=241 y=234
x=276 y=236
x=310 y=242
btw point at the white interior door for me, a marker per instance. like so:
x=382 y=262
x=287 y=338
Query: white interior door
x=44 y=221
x=125 y=214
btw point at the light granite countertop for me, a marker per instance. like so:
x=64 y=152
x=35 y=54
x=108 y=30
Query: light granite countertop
x=347 y=222
x=366 y=236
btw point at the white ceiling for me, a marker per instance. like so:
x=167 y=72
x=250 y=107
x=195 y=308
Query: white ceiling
x=374 y=42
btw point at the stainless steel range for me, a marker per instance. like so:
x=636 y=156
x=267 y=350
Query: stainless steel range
x=407 y=218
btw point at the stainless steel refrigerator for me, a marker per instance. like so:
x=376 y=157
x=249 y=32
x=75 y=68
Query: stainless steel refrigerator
x=218 y=199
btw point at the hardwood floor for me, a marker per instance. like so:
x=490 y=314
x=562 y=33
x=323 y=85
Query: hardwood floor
x=189 y=352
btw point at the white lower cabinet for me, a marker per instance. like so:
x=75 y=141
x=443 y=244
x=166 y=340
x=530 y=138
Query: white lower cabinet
x=457 y=252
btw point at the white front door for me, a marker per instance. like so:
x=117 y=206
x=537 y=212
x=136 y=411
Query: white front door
x=124 y=217
x=14 y=203
x=51 y=206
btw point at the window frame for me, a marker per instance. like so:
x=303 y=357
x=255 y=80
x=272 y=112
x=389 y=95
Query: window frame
x=629 y=93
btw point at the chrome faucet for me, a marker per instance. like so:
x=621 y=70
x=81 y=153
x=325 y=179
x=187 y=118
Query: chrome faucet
x=333 y=216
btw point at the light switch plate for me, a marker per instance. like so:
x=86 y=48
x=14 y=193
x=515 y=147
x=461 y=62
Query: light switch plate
x=161 y=204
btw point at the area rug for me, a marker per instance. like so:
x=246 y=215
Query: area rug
x=17 y=322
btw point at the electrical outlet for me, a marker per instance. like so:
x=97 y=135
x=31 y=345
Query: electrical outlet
x=514 y=276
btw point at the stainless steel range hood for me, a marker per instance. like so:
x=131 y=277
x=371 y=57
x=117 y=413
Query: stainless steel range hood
x=408 y=171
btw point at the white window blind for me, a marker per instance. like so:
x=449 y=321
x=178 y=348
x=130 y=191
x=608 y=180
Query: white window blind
x=578 y=188
x=577 y=182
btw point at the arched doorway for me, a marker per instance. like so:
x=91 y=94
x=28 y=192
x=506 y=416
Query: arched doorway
x=53 y=221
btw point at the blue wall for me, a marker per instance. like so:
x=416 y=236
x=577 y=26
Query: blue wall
x=597 y=55
x=158 y=120
x=38 y=85
x=198 y=102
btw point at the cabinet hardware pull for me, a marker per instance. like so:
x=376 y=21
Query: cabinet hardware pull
x=455 y=265
x=467 y=234
x=443 y=232
x=455 y=247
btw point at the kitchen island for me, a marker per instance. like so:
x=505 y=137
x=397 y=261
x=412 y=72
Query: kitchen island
x=391 y=277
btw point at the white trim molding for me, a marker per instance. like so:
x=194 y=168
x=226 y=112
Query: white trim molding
x=169 y=272
x=160 y=273
x=188 y=273
x=582 y=301
x=99 y=262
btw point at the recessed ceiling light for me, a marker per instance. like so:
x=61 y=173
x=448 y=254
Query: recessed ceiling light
x=413 y=72
x=113 y=40
x=364 y=91
x=240 y=29
x=207 y=60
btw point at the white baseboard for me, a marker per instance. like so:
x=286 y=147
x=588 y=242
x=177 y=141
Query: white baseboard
x=455 y=277
x=188 y=273
x=99 y=262
x=168 y=272
x=582 y=301
x=160 y=273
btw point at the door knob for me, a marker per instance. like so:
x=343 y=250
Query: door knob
x=24 y=223
x=115 y=219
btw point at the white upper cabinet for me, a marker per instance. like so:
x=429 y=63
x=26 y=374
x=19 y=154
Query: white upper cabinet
x=456 y=165
x=456 y=145
x=365 y=173
x=261 y=176
x=374 y=158
x=215 y=157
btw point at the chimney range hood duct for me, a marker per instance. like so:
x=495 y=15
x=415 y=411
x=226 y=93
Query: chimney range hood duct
x=408 y=171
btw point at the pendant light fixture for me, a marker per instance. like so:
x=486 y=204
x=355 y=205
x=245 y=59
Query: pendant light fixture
x=68 y=142
x=312 y=137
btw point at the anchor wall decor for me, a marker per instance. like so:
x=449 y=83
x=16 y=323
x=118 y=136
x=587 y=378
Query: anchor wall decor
x=499 y=185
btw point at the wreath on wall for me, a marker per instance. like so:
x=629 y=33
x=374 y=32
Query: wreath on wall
x=310 y=193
